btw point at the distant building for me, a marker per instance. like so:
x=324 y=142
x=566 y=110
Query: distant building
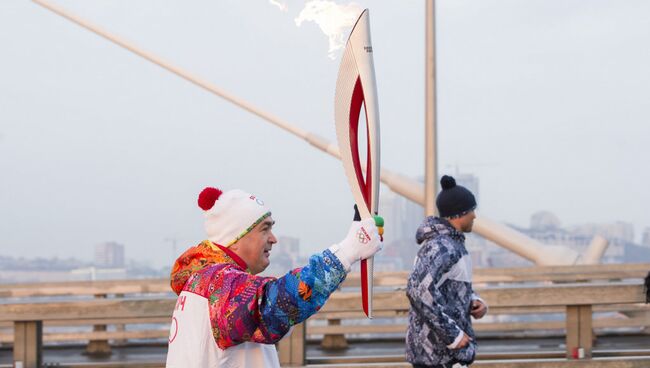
x=544 y=221
x=401 y=220
x=645 y=238
x=622 y=231
x=109 y=255
x=545 y=227
x=401 y=216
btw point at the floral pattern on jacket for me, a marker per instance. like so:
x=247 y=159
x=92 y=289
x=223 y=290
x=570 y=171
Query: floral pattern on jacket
x=246 y=307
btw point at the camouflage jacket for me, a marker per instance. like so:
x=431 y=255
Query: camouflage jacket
x=440 y=294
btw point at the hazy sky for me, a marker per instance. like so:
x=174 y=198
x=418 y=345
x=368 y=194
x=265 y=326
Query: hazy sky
x=546 y=101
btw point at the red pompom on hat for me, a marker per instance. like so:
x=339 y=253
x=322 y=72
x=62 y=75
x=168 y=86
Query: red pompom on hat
x=207 y=197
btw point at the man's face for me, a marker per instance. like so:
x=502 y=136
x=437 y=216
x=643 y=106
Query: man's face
x=255 y=247
x=464 y=223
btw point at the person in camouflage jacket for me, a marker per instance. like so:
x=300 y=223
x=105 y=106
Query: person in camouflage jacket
x=439 y=289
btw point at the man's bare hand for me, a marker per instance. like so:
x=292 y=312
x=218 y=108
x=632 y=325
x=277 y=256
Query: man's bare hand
x=478 y=309
x=464 y=341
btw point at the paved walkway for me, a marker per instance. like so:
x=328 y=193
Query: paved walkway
x=379 y=350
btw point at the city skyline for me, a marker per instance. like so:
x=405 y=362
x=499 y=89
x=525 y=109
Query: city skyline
x=402 y=216
x=398 y=254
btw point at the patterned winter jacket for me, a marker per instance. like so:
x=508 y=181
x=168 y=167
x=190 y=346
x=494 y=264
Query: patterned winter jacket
x=227 y=317
x=440 y=293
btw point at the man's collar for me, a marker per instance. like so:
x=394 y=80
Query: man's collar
x=240 y=262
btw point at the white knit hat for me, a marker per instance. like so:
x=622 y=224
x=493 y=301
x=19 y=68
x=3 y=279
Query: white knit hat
x=230 y=215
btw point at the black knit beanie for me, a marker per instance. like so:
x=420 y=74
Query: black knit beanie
x=454 y=199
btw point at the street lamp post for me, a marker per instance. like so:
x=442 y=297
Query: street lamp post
x=430 y=151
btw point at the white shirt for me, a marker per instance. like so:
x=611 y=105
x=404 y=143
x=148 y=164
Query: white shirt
x=191 y=343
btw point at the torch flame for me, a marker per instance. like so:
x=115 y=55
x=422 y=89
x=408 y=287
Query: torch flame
x=333 y=19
